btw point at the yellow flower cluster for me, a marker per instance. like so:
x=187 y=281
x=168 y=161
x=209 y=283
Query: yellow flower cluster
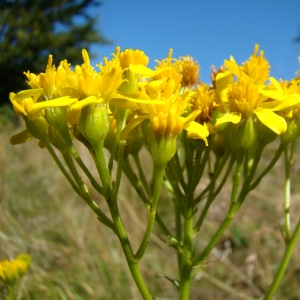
x=10 y=271
x=171 y=96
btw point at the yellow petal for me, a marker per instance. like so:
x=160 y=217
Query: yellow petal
x=272 y=94
x=143 y=70
x=233 y=117
x=276 y=84
x=59 y=102
x=28 y=93
x=222 y=81
x=289 y=101
x=191 y=117
x=197 y=131
x=135 y=122
x=120 y=100
x=21 y=137
x=232 y=66
x=271 y=120
x=85 y=102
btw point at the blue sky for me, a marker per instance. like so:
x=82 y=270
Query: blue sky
x=210 y=31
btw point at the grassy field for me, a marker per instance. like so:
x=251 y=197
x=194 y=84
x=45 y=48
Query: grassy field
x=75 y=257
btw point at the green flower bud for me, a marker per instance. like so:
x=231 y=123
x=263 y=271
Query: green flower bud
x=38 y=128
x=94 y=123
x=56 y=139
x=241 y=135
x=292 y=132
x=57 y=117
x=162 y=147
x=219 y=145
x=80 y=137
x=264 y=134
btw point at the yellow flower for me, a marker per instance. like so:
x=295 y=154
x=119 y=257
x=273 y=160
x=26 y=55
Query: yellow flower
x=248 y=96
x=168 y=70
x=166 y=117
x=131 y=57
x=189 y=69
x=10 y=271
x=257 y=67
x=203 y=100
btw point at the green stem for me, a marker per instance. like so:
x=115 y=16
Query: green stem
x=212 y=195
x=179 y=170
x=84 y=193
x=11 y=294
x=232 y=212
x=141 y=174
x=283 y=264
x=62 y=168
x=120 y=229
x=158 y=175
x=178 y=230
x=287 y=198
x=136 y=183
x=116 y=187
x=267 y=169
x=121 y=121
x=186 y=257
x=234 y=207
x=237 y=175
x=83 y=167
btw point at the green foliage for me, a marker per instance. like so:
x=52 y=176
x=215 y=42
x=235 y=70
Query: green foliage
x=30 y=30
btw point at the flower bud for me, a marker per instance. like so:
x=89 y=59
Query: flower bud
x=241 y=135
x=162 y=147
x=56 y=139
x=94 y=123
x=292 y=132
x=38 y=128
x=219 y=145
x=264 y=134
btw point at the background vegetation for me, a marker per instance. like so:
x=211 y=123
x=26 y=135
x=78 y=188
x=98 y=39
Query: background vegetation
x=30 y=30
x=76 y=257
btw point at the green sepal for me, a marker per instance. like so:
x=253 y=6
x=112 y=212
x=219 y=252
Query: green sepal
x=94 y=123
x=38 y=128
x=57 y=117
x=56 y=139
x=241 y=135
x=292 y=132
x=162 y=147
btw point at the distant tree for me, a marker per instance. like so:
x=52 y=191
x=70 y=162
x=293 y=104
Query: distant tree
x=32 y=29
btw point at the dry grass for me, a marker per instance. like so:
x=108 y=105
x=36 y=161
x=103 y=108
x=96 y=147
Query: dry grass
x=76 y=257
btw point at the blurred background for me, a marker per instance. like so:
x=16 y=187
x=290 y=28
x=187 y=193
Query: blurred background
x=75 y=257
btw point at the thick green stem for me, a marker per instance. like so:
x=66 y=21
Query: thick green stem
x=186 y=257
x=159 y=170
x=283 y=264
